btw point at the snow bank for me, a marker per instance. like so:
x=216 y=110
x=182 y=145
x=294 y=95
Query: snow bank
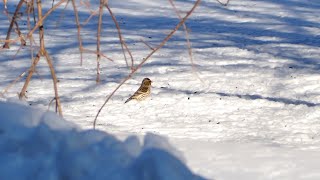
x=40 y=145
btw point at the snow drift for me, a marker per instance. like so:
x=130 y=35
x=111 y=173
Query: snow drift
x=39 y=145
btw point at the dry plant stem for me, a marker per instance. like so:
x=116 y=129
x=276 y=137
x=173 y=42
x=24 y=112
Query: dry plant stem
x=185 y=30
x=150 y=54
x=13 y=21
x=98 y=39
x=29 y=27
x=42 y=52
x=37 y=25
x=31 y=71
x=44 y=17
x=13 y=82
x=90 y=17
x=33 y=12
x=145 y=43
x=17 y=30
x=10 y=41
x=76 y=15
x=50 y=103
x=22 y=40
x=224 y=4
x=122 y=42
x=62 y=13
x=95 y=52
x=188 y=41
x=55 y=81
x=41 y=30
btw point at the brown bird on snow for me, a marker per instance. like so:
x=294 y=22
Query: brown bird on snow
x=143 y=92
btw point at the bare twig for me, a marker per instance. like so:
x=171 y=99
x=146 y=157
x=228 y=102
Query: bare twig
x=188 y=41
x=51 y=103
x=79 y=29
x=34 y=13
x=30 y=73
x=42 y=52
x=98 y=40
x=44 y=17
x=91 y=15
x=37 y=25
x=10 y=41
x=145 y=43
x=13 y=82
x=185 y=30
x=86 y=3
x=13 y=21
x=55 y=81
x=224 y=4
x=17 y=29
x=62 y=14
x=146 y=58
x=122 y=42
x=95 y=52
x=29 y=10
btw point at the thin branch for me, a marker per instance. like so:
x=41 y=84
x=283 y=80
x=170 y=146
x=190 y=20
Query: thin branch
x=17 y=29
x=98 y=40
x=31 y=71
x=22 y=40
x=95 y=52
x=50 y=103
x=13 y=21
x=44 y=17
x=62 y=14
x=91 y=15
x=31 y=39
x=87 y=4
x=41 y=29
x=55 y=82
x=122 y=42
x=145 y=43
x=79 y=29
x=10 y=41
x=145 y=59
x=13 y=82
x=42 y=51
x=188 y=41
x=224 y=4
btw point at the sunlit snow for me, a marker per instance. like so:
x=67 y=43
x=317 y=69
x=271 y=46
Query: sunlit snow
x=255 y=113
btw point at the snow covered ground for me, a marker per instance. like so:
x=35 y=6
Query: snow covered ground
x=39 y=145
x=256 y=115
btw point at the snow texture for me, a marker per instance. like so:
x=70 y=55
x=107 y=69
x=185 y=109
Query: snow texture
x=40 y=145
x=255 y=113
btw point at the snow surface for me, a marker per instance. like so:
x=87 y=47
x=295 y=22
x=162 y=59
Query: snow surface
x=40 y=145
x=256 y=115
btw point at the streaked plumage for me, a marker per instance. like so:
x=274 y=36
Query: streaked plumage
x=143 y=92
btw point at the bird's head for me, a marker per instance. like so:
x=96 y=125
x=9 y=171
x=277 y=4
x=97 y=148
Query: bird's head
x=146 y=82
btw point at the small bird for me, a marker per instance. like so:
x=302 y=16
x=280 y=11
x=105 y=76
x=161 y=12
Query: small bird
x=143 y=92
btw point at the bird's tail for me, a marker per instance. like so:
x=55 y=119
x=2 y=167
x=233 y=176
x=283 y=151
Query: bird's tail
x=128 y=100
